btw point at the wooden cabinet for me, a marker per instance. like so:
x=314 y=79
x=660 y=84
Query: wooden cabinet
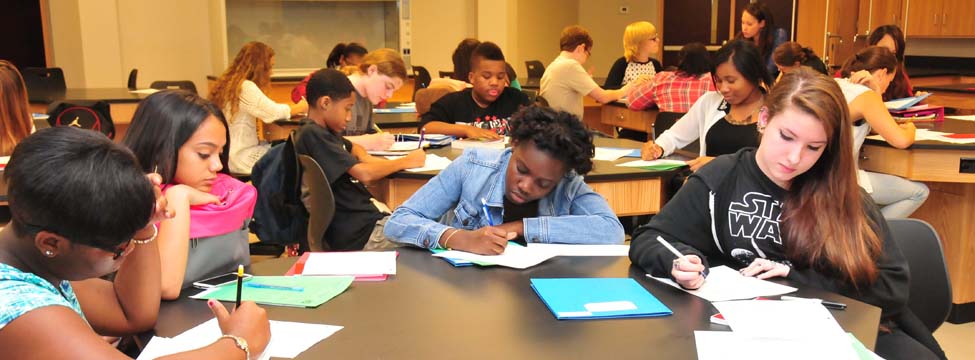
x=629 y=119
x=874 y=13
x=837 y=18
x=940 y=18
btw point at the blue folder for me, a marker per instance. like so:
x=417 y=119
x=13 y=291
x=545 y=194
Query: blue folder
x=597 y=298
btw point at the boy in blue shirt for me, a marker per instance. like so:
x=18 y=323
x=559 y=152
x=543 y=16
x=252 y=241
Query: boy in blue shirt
x=533 y=190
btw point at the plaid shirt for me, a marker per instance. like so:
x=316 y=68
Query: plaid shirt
x=21 y=292
x=670 y=92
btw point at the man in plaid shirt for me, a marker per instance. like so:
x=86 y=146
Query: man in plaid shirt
x=676 y=91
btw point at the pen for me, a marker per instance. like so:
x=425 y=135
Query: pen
x=423 y=133
x=240 y=283
x=378 y=130
x=486 y=212
x=273 y=287
x=826 y=303
x=677 y=253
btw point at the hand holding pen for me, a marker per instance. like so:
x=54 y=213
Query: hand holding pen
x=688 y=270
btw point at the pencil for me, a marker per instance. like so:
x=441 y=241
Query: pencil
x=240 y=284
x=378 y=130
x=423 y=132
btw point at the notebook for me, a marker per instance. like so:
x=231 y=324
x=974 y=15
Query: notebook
x=597 y=298
x=904 y=103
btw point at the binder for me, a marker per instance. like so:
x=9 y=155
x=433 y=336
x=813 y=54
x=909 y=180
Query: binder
x=597 y=298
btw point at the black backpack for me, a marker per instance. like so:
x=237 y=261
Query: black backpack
x=94 y=115
x=279 y=215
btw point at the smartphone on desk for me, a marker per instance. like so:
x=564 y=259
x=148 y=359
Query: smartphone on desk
x=219 y=280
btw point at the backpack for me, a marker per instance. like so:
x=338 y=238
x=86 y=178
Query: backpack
x=279 y=215
x=90 y=115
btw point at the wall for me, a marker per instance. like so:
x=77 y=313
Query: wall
x=66 y=46
x=605 y=23
x=540 y=22
x=438 y=25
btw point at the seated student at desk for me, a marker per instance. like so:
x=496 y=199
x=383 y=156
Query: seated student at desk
x=15 y=118
x=676 y=91
x=791 y=55
x=808 y=221
x=343 y=54
x=724 y=121
x=565 y=82
x=640 y=41
x=483 y=110
x=359 y=218
x=758 y=27
x=533 y=190
x=83 y=209
x=892 y=38
x=184 y=138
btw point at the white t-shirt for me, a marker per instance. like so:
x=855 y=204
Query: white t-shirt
x=564 y=83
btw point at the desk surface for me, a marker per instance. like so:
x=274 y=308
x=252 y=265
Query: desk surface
x=111 y=95
x=949 y=125
x=960 y=88
x=431 y=310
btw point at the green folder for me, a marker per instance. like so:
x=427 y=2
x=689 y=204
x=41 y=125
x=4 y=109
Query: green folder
x=662 y=167
x=297 y=291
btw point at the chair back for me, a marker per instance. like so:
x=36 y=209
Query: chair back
x=321 y=202
x=535 y=68
x=44 y=84
x=132 y=75
x=421 y=79
x=177 y=84
x=930 y=294
x=665 y=119
x=532 y=94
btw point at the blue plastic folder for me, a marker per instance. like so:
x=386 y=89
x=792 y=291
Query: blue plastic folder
x=597 y=298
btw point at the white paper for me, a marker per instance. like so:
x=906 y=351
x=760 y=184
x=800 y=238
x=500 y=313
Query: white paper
x=925 y=134
x=645 y=163
x=582 y=250
x=724 y=283
x=962 y=117
x=780 y=319
x=288 y=339
x=610 y=154
x=144 y=91
x=514 y=256
x=406 y=145
x=727 y=345
x=434 y=162
x=351 y=263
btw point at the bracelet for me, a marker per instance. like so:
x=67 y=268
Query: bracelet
x=155 y=232
x=448 y=239
x=240 y=343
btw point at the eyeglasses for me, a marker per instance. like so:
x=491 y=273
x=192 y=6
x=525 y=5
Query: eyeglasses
x=118 y=251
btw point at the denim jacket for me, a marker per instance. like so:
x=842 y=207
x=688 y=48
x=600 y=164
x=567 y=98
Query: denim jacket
x=571 y=213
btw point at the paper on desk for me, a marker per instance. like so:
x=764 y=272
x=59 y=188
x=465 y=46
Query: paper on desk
x=582 y=250
x=514 y=256
x=659 y=163
x=925 y=134
x=777 y=319
x=727 y=345
x=144 y=91
x=288 y=339
x=434 y=162
x=611 y=154
x=351 y=263
x=406 y=146
x=724 y=283
x=962 y=117
x=315 y=290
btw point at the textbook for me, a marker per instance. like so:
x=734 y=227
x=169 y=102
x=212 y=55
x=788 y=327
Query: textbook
x=904 y=103
x=597 y=298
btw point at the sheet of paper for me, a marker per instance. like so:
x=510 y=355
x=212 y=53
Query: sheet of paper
x=724 y=283
x=351 y=263
x=288 y=339
x=610 y=154
x=434 y=162
x=727 y=345
x=144 y=91
x=514 y=256
x=582 y=250
x=777 y=319
x=962 y=117
x=405 y=146
x=659 y=164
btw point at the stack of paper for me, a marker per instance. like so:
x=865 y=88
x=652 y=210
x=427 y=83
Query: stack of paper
x=355 y=263
x=514 y=256
x=724 y=283
x=597 y=298
x=655 y=165
x=582 y=250
x=299 y=291
x=613 y=154
x=288 y=339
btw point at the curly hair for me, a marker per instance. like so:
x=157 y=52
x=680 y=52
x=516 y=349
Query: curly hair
x=557 y=133
x=253 y=62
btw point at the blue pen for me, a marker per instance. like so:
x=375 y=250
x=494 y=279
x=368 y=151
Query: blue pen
x=486 y=212
x=273 y=287
x=423 y=132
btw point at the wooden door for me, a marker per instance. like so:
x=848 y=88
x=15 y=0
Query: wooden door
x=687 y=21
x=811 y=25
x=885 y=12
x=924 y=17
x=956 y=18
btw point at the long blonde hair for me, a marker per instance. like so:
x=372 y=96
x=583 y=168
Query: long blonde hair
x=634 y=34
x=253 y=62
x=15 y=120
x=824 y=218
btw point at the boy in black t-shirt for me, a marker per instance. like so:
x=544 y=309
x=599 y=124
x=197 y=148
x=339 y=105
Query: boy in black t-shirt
x=482 y=111
x=346 y=165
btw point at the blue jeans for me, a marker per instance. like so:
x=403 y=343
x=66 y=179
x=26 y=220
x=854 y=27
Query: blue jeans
x=897 y=197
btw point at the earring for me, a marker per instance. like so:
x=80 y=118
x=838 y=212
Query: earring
x=48 y=253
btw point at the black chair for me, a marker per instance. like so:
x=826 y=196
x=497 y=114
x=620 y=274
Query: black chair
x=930 y=294
x=665 y=119
x=179 y=84
x=421 y=79
x=132 y=75
x=321 y=202
x=44 y=84
x=532 y=94
x=535 y=68
x=447 y=74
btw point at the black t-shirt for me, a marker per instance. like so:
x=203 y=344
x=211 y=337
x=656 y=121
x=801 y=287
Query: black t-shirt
x=459 y=108
x=726 y=138
x=355 y=214
x=516 y=212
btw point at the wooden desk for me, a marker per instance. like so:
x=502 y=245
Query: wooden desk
x=629 y=191
x=122 y=103
x=617 y=114
x=395 y=123
x=951 y=206
x=954 y=95
x=431 y=310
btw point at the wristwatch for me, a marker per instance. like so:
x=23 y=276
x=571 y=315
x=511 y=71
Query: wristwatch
x=240 y=343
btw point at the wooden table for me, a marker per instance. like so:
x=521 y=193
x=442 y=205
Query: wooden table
x=959 y=96
x=395 y=123
x=949 y=171
x=431 y=310
x=122 y=103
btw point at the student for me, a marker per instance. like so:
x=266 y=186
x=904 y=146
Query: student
x=640 y=41
x=565 y=82
x=184 y=138
x=676 y=91
x=358 y=218
x=533 y=190
x=15 y=120
x=758 y=26
x=82 y=209
x=791 y=55
x=892 y=38
x=482 y=111
x=865 y=76
x=724 y=120
x=381 y=73
x=809 y=222
x=343 y=55
x=241 y=91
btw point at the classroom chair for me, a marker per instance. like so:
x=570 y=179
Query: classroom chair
x=535 y=68
x=421 y=79
x=321 y=202
x=930 y=292
x=177 y=84
x=447 y=74
x=43 y=84
x=532 y=94
x=132 y=75
x=665 y=119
